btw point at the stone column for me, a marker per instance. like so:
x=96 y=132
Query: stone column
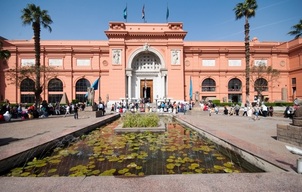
x=129 y=86
x=129 y=74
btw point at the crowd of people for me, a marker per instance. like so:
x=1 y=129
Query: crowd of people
x=45 y=110
x=161 y=106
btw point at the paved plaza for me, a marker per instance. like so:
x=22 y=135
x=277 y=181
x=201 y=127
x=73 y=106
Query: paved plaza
x=248 y=136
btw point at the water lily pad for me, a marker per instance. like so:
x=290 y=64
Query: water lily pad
x=52 y=170
x=220 y=158
x=54 y=161
x=170 y=166
x=108 y=172
x=132 y=165
x=25 y=174
x=123 y=171
x=170 y=160
x=228 y=164
x=228 y=170
x=218 y=167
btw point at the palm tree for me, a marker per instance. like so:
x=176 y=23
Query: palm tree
x=297 y=30
x=34 y=16
x=4 y=54
x=247 y=9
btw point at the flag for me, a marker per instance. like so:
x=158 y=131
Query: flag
x=167 y=14
x=95 y=84
x=191 y=89
x=143 y=12
x=125 y=13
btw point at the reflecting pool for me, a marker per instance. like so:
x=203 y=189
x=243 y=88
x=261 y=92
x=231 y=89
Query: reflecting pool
x=179 y=150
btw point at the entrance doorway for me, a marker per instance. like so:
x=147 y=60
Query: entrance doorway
x=146 y=89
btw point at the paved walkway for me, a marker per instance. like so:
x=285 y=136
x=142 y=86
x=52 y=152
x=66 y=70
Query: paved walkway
x=252 y=137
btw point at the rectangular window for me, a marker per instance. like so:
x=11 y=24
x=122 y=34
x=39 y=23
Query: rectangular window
x=293 y=81
x=53 y=98
x=208 y=63
x=27 y=98
x=83 y=62
x=260 y=62
x=235 y=63
x=55 y=62
x=27 y=62
x=81 y=97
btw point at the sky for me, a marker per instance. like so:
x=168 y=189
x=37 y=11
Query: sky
x=204 y=20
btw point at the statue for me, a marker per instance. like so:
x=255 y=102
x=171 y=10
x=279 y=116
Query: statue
x=116 y=57
x=146 y=47
x=175 y=57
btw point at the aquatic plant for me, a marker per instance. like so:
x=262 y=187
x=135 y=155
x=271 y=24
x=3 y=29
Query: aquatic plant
x=140 y=120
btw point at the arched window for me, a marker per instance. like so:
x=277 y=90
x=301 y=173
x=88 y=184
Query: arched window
x=27 y=88
x=82 y=84
x=234 y=85
x=261 y=85
x=208 y=85
x=81 y=89
x=55 y=85
x=27 y=85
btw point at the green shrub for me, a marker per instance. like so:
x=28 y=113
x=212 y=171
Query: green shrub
x=140 y=120
x=216 y=102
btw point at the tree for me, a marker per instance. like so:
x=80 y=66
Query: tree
x=247 y=9
x=297 y=30
x=4 y=54
x=261 y=76
x=16 y=75
x=34 y=16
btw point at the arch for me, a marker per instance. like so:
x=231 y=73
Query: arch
x=146 y=62
x=143 y=49
x=82 y=84
x=81 y=89
x=234 y=84
x=208 y=85
x=55 y=85
x=261 y=84
x=27 y=88
x=27 y=85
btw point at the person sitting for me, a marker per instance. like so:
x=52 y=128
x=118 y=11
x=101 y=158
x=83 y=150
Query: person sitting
x=7 y=116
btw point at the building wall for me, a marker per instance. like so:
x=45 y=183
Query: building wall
x=221 y=61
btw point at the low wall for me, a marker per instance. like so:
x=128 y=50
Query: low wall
x=290 y=134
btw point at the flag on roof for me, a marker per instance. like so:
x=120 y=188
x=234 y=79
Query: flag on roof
x=143 y=12
x=125 y=13
x=167 y=14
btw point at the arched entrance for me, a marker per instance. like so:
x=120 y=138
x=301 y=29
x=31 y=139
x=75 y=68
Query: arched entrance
x=146 y=75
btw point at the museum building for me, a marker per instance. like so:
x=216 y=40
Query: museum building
x=151 y=60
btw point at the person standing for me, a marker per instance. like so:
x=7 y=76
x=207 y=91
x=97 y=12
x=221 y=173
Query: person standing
x=67 y=110
x=244 y=110
x=75 y=110
x=256 y=112
x=270 y=111
x=237 y=108
x=264 y=110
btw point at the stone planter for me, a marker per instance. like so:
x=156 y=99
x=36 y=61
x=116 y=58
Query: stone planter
x=297 y=121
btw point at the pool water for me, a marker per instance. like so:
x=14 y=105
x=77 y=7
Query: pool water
x=179 y=150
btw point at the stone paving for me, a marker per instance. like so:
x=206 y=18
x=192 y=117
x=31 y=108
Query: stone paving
x=249 y=136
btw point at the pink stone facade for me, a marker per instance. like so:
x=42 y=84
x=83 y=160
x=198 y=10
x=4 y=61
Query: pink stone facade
x=156 y=58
